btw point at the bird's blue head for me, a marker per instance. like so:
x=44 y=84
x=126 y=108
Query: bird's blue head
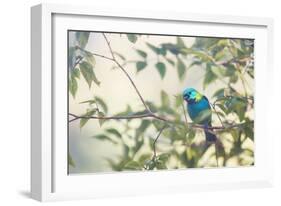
x=191 y=95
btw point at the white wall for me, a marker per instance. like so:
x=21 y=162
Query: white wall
x=14 y=103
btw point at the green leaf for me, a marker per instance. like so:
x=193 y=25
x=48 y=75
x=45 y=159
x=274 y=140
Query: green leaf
x=73 y=86
x=165 y=99
x=76 y=73
x=195 y=62
x=90 y=58
x=88 y=73
x=201 y=42
x=132 y=165
x=151 y=106
x=236 y=105
x=143 y=159
x=101 y=121
x=191 y=135
x=181 y=68
x=91 y=101
x=249 y=129
x=143 y=126
x=160 y=161
x=162 y=51
x=230 y=70
x=101 y=137
x=233 y=79
x=173 y=48
x=160 y=66
x=180 y=42
x=141 y=53
x=139 y=112
x=114 y=131
x=160 y=165
x=82 y=38
x=240 y=109
x=140 y=65
x=153 y=48
x=71 y=57
x=163 y=157
x=218 y=71
x=199 y=54
x=179 y=100
x=128 y=111
x=138 y=145
x=70 y=161
x=104 y=137
x=101 y=103
x=95 y=79
x=120 y=56
x=157 y=124
x=170 y=61
x=88 y=114
x=219 y=93
x=150 y=164
x=132 y=38
x=221 y=55
x=209 y=77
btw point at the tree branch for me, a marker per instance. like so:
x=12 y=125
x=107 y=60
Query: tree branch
x=152 y=115
x=109 y=46
x=76 y=117
x=94 y=54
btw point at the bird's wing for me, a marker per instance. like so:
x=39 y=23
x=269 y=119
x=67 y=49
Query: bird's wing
x=206 y=99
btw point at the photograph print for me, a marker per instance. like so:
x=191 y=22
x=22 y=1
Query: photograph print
x=140 y=102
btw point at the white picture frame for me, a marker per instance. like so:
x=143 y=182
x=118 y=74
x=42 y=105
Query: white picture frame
x=50 y=181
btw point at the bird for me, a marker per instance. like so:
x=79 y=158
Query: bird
x=199 y=111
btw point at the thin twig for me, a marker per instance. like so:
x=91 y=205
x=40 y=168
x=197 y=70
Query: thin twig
x=109 y=46
x=213 y=106
x=155 y=140
x=94 y=54
x=126 y=73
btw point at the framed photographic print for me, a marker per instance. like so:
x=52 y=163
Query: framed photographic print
x=134 y=102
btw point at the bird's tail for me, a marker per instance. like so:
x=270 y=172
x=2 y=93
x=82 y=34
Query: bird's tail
x=210 y=137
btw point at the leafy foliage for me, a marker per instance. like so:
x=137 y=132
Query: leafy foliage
x=81 y=61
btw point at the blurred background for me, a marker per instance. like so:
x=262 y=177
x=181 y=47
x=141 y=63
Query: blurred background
x=161 y=67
